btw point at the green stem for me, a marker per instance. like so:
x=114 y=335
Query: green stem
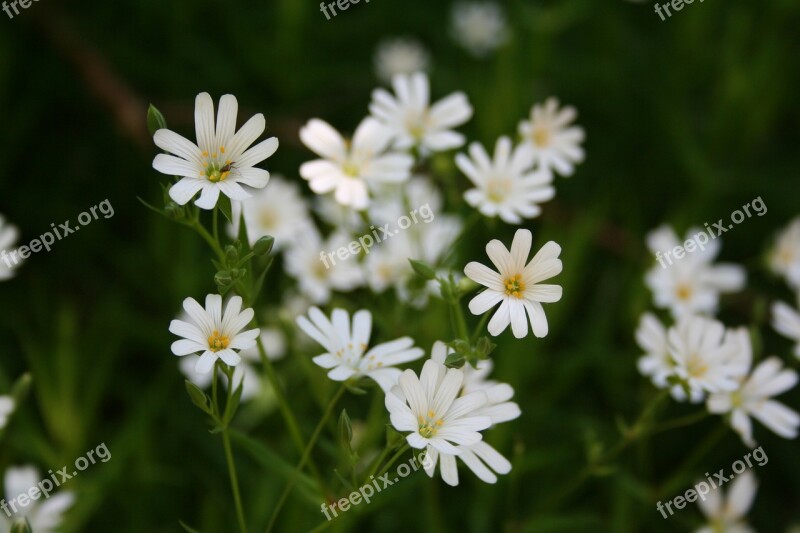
x=237 y=499
x=479 y=329
x=459 y=319
x=394 y=459
x=215 y=224
x=212 y=242
x=306 y=455
x=376 y=464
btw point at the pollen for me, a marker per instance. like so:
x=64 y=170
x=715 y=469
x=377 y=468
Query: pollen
x=515 y=286
x=222 y=149
x=429 y=427
x=217 y=342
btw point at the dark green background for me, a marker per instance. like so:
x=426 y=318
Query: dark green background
x=686 y=121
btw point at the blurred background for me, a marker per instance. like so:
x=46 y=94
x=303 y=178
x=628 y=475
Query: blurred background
x=686 y=121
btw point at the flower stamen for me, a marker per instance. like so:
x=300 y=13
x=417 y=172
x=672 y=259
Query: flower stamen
x=515 y=286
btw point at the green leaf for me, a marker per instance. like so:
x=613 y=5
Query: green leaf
x=233 y=403
x=187 y=528
x=423 y=270
x=224 y=205
x=198 y=397
x=20 y=525
x=263 y=246
x=21 y=387
x=155 y=120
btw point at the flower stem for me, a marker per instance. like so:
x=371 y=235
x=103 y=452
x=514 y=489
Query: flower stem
x=479 y=328
x=237 y=499
x=306 y=454
x=394 y=459
x=460 y=322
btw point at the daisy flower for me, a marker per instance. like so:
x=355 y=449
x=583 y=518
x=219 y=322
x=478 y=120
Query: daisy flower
x=43 y=515
x=484 y=461
x=506 y=186
x=347 y=168
x=413 y=121
x=429 y=410
x=480 y=27
x=691 y=284
x=221 y=161
x=556 y=144
x=784 y=259
x=347 y=352
x=656 y=363
x=6 y=408
x=8 y=237
x=706 y=357
x=753 y=399
x=728 y=513
x=216 y=335
x=400 y=56
x=786 y=321
x=278 y=210
x=318 y=274
x=516 y=286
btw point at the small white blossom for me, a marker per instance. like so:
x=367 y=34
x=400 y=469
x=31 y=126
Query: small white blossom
x=480 y=27
x=43 y=515
x=8 y=238
x=221 y=161
x=786 y=321
x=657 y=362
x=507 y=186
x=348 y=354
x=727 y=514
x=556 y=143
x=349 y=168
x=216 y=335
x=400 y=56
x=413 y=121
x=516 y=286
x=784 y=259
x=693 y=283
x=6 y=409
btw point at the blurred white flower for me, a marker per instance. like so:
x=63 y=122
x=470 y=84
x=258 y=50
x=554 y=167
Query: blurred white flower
x=727 y=514
x=347 y=354
x=507 y=186
x=707 y=358
x=691 y=284
x=278 y=210
x=656 y=363
x=481 y=458
x=342 y=217
x=413 y=121
x=784 y=259
x=516 y=286
x=753 y=398
x=43 y=515
x=556 y=144
x=304 y=262
x=220 y=162
x=399 y=56
x=347 y=168
x=480 y=27
x=216 y=335
x=8 y=238
x=6 y=408
x=429 y=408
x=786 y=321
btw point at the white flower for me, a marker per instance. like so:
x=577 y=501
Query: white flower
x=507 y=186
x=727 y=514
x=348 y=169
x=784 y=259
x=221 y=160
x=317 y=273
x=753 y=398
x=656 y=363
x=347 y=353
x=344 y=218
x=428 y=408
x=786 y=321
x=480 y=27
x=400 y=56
x=413 y=121
x=691 y=284
x=278 y=210
x=706 y=357
x=516 y=286
x=6 y=408
x=245 y=372
x=480 y=457
x=556 y=144
x=8 y=237
x=43 y=515
x=216 y=335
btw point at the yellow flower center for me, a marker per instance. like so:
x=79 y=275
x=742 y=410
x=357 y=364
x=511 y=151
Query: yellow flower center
x=216 y=171
x=515 y=286
x=350 y=170
x=696 y=366
x=498 y=189
x=429 y=426
x=683 y=292
x=541 y=136
x=217 y=342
